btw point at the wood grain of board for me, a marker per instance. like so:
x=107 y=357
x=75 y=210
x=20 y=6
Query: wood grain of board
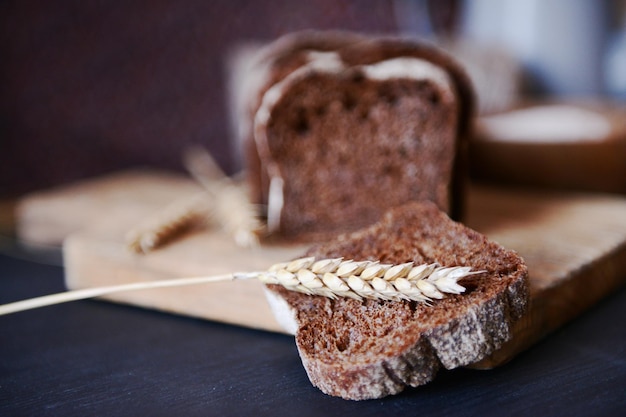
x=574 y=245
x=91 y=262
x=47 y=217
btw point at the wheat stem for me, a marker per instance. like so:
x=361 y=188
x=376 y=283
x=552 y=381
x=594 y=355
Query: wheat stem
x=326 y=277
x=82 y=294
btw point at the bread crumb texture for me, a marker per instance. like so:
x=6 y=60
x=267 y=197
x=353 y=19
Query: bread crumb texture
x=391 y=156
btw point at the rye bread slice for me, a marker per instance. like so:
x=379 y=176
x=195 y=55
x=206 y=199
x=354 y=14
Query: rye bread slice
x=262 y=68
x=343 y=143
x=370 y=349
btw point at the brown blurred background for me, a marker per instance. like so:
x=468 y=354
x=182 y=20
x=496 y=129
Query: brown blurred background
x=89 y=87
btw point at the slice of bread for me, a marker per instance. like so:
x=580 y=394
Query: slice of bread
x=346 y=126
x=369 y=349
x=253 y=69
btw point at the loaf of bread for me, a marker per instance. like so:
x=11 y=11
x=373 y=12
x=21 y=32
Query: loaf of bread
x=343 y=126
x=365 y=349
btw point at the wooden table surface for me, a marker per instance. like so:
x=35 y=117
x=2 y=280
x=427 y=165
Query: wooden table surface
x=99 y=358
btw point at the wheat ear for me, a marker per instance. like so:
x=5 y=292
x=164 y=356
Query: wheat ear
x=224 y=203
x=231 y=208
x=174 y=220
x=326 y=277
x=368 y=279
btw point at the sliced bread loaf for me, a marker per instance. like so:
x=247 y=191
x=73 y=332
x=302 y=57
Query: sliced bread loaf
x=345 y=127
x=369 y=349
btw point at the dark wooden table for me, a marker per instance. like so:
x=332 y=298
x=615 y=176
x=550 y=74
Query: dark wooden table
x=96 y=358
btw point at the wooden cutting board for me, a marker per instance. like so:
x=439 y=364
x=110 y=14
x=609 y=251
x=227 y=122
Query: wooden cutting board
x=574 y=245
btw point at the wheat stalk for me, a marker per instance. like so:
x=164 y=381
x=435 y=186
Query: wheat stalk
x=326 y=277
x=223 y=203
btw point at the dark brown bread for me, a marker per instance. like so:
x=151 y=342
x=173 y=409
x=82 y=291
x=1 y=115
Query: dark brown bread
x=267 y=66
x=347 y=145
x=369 y=349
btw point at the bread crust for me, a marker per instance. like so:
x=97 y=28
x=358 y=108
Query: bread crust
x=370 y=349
